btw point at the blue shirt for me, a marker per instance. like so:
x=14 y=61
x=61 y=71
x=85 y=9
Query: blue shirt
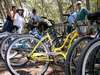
x=36 y=18
x=72 y=18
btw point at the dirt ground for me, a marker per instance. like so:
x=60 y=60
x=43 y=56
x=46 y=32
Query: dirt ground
x=50 y=71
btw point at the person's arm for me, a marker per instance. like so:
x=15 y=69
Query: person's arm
x=66 y=14
x=23 y=21
x=15 y=19
x=12 y=15
x=65 y=22
x=85 y=11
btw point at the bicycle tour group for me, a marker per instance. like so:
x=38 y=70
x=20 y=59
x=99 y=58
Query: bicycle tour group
x=43 y=46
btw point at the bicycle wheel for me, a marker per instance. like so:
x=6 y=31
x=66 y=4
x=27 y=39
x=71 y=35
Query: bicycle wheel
x=74 y=53
x=89 y=59
x=5 y=43
x=12 y=54
x=3 y=35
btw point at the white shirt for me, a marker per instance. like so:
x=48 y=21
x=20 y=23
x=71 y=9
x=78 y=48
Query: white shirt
x=18 y=20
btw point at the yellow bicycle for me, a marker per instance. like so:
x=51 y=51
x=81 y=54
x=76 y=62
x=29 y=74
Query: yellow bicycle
x=42 y=52
x=54 y=51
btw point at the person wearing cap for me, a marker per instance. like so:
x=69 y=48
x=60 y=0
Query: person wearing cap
x=81 y=16
x=19 y=20
x=81 y=11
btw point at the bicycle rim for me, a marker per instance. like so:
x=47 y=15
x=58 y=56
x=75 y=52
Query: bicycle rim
x=89 y=61
x=17 y=72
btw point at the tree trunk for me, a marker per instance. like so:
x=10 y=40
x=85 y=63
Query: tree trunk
x=15 y=3
x=88 y=4
x=60 y=10
x=98 y=5
x=2 y=10
x=20 y=3
x=6 y=5
x=42 y=1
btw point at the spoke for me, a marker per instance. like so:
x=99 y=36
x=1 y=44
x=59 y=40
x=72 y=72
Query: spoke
x=13 y=55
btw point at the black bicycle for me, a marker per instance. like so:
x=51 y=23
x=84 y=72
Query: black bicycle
x=89 y=61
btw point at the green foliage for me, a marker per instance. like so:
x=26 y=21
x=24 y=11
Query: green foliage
x=47 y=8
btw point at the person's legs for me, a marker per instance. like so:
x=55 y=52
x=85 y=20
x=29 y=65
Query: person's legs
x=20 y=29
x=8 y=26
x=15 y=28
x=5 y=26
x=69 y=29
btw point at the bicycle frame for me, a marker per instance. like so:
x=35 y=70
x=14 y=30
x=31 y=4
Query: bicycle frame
x=54 y=51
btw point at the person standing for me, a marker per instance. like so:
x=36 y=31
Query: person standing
x=71 y=17
x=19 y=20
x=8 y=26
x=34 y=19
x=81 y=18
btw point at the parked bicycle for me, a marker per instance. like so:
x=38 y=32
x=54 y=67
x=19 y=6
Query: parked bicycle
x=89 y=60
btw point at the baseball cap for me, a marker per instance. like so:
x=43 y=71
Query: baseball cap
x=78 y=2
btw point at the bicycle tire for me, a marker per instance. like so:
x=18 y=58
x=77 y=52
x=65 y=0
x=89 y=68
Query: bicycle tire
x=3 y=42
x=85 y=55
x=3 y=35
x=71 y=51
x=10 y=68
